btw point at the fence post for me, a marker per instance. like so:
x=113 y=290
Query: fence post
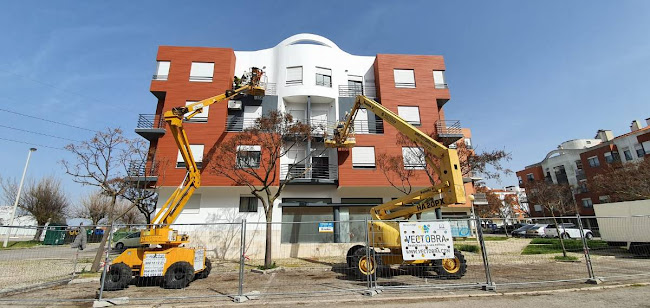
x=489 y=284
x=240 y=298
x=372 y=290
x=108 y=250
x=585 y=247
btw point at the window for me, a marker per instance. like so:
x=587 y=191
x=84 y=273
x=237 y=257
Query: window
x=363 y=157
x=439 y=80
x=538 y=207
x=294 y=75
x=579 y=164
x=582 y=186
x=628 y=154
x=248 y=156
x=639 y=150
x=355 y=85
x=361 y=122
x=410 y=114
x=193 y=205
x=202 y=71
x=404 y=78
x=162 y=70
x=413 y=158
x=468 y=143
x=586 y=203
x=593 y=162
x=201 y=116
x=323 y=77
x=646 y=147
x=530 y=177
x=609 y=158
x=520 y=180
x=251 y=114
x=197 y=153
x=603 y=199
x=247 y=204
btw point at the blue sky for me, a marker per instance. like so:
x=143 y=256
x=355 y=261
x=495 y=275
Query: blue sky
x=523 y=75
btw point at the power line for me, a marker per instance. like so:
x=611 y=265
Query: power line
x=33 y=144
x=33 y=132
x=46 y=120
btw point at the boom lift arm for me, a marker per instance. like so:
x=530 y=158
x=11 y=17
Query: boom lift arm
x=449 y=191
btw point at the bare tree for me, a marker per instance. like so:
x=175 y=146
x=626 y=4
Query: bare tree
x=556 y=199
x=624 y=182
x=94 y=206
x=100 y=162
x=143 y=192
x=492 y=208
x=131 y=215
x=240 y=160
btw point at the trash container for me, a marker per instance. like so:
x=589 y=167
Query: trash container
x=54 y=235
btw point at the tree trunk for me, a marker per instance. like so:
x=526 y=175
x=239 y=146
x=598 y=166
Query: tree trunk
x=39 y=231
x=268 y=262
x=559 y=235
x=102 y=244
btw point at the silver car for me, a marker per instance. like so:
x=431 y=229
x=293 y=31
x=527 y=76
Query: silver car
x=129 y=241
x=539 y=230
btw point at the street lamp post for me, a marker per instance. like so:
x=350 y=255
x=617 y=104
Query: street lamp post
x=20 y=187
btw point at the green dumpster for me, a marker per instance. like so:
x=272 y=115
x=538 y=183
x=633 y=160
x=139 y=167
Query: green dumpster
x=54 y=235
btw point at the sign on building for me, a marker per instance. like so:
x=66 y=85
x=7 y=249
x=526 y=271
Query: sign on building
x=426 y=240
x=326 y=227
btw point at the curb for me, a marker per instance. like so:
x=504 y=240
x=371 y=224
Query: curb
x=35 y=287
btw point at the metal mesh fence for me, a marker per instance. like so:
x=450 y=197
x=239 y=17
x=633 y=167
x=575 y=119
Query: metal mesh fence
x=332 y=257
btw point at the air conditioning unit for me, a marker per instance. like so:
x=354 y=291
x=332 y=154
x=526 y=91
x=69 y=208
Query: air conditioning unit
x=234 y=105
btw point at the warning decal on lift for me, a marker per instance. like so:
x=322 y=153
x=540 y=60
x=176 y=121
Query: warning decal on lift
x=153 y=264
x=198 y=259
x=426 y=240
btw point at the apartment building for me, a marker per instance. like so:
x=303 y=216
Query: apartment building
x=311 y=78
x=575 y=162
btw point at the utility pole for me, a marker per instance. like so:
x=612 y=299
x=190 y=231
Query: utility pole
x=20 y=187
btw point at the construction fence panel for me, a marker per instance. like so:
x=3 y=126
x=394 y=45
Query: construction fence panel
x=620 y=248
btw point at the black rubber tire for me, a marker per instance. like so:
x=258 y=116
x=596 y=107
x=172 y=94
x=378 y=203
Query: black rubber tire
x=179 y=275
x=118 y=277
x=206 y=271
x=443 y=273
x=589 y=236
x=119 y=246
x=358 y=257
x=350 y=253
x=565 y=236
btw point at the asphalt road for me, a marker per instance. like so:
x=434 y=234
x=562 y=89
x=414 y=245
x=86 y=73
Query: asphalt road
x=47 y=252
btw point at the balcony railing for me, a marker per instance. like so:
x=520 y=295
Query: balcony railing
x=353 y=91
x=270 y=88
x=448 y=127
x=441 y=86
x=320 y=127
x=142 y=172
x=151 y=121
x=305 y=173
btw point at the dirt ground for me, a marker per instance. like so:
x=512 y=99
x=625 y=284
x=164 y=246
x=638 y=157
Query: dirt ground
x=331 y=277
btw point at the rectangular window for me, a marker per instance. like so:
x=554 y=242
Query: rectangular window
x=639 y=150
x=302 y=224
x=579 y=164
x=628 y=154
x=468 y=143
x=582 y=186
x=538 y=207
x=193 y=205
x=439 y=80
x=361 y=122
x=201 y=116
x=593 y=162
x=520 y=180
x=363 y=157
x=251 y=114
x=413 y=158
x=646 y=146
x=202 y=72
x=609 y=158
x=247 y=204
x=603 y=199
x=162 y=70
x=249 y=156
x=294 y=75
x=410 y=114
x=323 y=77
x=197 y=153
x=530 y=177
x=587 y=203
x=404 y=78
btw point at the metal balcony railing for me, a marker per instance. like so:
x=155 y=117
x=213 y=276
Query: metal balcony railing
x=151 y=121
x=448 y=127
x=270 y=88
x=353 y=91
x=139 y=168
x=301 y=172
x=238 y=124
x=320 y=127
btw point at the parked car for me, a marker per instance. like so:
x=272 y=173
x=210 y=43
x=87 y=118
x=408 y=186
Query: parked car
x=521 y=231
x=129 y=241
x=567 y=230
x=538 y=230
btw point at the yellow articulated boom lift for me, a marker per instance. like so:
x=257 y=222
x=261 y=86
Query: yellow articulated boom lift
x=165 y=253
x=385 y=235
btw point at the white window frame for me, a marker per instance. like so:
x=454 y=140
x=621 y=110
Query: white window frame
x=410 y=114
x=162 y=70
x=202 y=72
x=201 y=117
x=197 y=153
x=292 y=75
x=404 y=78
x=638 y=147
x=249 y=149
x=363 y=157
x=439 y=80
x=413 y=158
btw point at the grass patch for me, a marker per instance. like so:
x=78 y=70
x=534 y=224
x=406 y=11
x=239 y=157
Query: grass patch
x=567 y=258
x=262 y=267
x=495 y=238
x=548 y=245
x=21 y=244
x=467 y=248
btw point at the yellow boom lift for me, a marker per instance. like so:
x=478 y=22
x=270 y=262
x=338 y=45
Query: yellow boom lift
x=385 y=235
x=165 y=252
